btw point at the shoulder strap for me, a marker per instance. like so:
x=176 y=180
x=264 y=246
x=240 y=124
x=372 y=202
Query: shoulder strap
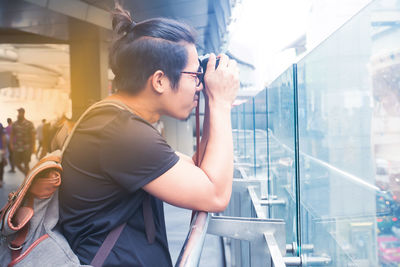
x=102 y=103
x=107 y=245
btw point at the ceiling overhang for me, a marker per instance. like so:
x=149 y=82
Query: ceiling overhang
x=46 y=21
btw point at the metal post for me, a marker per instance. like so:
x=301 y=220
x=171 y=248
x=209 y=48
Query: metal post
x=252 y=230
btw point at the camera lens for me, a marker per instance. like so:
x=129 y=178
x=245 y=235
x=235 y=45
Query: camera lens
x=203 y=64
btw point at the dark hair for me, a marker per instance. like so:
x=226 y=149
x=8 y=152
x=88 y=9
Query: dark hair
x=139 y=50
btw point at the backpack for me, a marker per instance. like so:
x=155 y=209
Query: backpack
x=28 y=222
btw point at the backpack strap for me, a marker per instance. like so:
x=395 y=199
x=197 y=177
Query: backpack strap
x=148 y=219
x=107 y=245
x=102 y=103
x=112 y=237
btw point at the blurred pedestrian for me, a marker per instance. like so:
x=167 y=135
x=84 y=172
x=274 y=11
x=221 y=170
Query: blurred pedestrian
x=24 y=133
x=3 y=153
x=9 y=141
x=39 y=133
x=46 y=140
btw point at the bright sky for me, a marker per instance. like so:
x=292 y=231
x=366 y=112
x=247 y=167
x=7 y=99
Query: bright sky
x=264 y=27
x=263 y=20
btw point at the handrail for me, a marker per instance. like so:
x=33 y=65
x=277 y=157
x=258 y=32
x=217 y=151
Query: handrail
x=250 y=229
x=191 y=249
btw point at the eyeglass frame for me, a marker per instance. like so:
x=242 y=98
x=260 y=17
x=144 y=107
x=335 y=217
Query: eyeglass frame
x=199 y=76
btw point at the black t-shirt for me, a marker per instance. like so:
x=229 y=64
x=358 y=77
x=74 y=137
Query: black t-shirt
x=111 y=156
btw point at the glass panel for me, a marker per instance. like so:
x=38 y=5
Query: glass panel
x=240 y=137
x=243 y=136
x=240 y=203
x=235 y=127
x=349 y=128
x=260 y=118
x=281 y=149
x=248 y=110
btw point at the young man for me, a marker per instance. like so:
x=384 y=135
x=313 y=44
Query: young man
x=117 y=159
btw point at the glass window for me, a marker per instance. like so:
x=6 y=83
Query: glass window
x=281 y=152
x=261 y=139
x=349 y=138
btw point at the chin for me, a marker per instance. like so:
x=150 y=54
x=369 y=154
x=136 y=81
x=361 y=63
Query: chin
x=183 y=116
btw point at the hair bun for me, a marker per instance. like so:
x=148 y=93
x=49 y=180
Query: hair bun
x=130 y=27
x=122 y=22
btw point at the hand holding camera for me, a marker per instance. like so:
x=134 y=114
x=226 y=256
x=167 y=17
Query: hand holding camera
x=221 y=79
x=204 y=62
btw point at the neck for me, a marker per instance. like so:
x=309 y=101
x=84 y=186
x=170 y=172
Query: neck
x=140 y=105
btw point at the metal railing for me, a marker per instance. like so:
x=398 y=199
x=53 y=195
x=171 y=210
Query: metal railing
x=191 y=250
x=267 y=237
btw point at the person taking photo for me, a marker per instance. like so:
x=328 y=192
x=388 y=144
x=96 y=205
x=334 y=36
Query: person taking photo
x=117 y=159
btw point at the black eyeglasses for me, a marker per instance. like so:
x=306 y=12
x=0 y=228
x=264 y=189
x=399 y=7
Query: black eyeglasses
x=197 y=74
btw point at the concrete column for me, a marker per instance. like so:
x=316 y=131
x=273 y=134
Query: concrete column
x=179 y=134
x=88 y=65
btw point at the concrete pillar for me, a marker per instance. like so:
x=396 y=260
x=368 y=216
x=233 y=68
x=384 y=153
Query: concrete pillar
x=179 y=134
x=88 y=65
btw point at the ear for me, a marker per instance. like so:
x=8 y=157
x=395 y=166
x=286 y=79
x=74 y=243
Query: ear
x=159 y=81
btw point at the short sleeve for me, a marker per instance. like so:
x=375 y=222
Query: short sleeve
x=134 y=153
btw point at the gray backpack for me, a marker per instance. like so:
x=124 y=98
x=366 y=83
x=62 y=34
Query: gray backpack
x=28 y=221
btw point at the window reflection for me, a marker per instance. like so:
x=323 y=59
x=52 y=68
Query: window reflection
x=349 y=142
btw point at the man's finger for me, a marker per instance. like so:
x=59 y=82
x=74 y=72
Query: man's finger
x=211 y=62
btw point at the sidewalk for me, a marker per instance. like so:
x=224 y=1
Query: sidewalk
x=11 y=182
x=176 y=219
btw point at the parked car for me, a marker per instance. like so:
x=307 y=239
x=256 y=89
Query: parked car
x=387 y=212
x=388 y=250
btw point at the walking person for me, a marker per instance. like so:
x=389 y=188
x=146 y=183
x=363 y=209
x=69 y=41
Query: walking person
x=9 y=141
x=39 y=134
x=46 y=140
x=3 y=153
x=117 y=165
x=24 y=133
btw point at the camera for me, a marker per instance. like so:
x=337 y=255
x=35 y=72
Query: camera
x=203 y=63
